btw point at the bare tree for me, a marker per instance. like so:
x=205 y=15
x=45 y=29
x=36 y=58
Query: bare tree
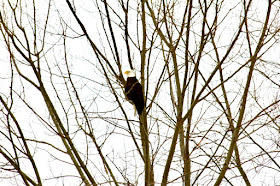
x=209 y=73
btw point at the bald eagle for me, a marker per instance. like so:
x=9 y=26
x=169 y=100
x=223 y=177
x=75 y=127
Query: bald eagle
x=134 y=92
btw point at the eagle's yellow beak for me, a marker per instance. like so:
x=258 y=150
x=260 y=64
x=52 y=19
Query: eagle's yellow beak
x=126 y=72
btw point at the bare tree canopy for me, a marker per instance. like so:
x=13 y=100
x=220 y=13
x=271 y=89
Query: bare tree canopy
x=209 y=71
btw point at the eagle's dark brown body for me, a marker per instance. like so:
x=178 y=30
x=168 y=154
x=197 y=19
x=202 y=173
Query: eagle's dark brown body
x=133 y=90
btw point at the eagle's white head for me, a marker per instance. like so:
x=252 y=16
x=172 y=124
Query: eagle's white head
x=130 y=73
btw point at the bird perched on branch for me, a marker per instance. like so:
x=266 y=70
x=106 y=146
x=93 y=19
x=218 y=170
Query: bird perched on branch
x=134 y=92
